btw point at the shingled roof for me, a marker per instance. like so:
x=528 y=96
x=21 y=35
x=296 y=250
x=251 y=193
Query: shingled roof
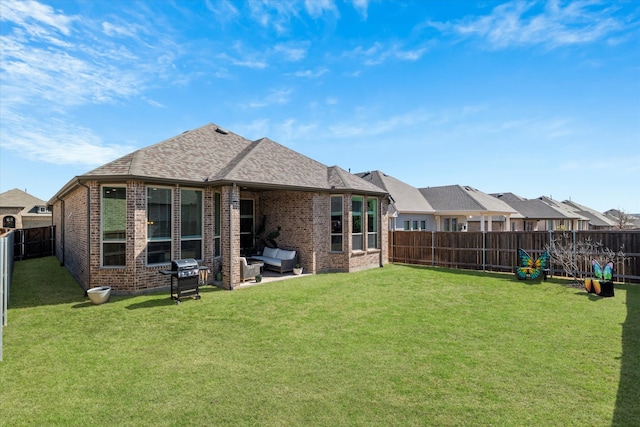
x=458 y=198
x=211 y=154
x=407 y=199
x=540 y=208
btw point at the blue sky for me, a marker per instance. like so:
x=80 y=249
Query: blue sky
x=534 y=98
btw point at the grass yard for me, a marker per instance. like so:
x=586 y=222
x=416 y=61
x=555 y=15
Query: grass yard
x=399 y=345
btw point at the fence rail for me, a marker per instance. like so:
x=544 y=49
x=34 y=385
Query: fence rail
x=498 y=251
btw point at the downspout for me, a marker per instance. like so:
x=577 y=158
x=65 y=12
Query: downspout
x=88 y=233
x=62 y=219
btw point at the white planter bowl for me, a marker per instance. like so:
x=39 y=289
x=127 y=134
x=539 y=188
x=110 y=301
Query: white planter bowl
x=100 y=294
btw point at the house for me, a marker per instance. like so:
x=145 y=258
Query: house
x=542 y=214
x=597 y=220
x=19 y=209
x=464 y=208
x=409 y=210
x=623 y=220
x=202 y=195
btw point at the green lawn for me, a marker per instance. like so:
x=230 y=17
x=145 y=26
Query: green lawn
x=399 y=345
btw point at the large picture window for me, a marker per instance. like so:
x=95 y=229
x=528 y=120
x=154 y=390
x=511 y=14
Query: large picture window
x=336 y=223
x=246 y=226
x=217 y=249
x=158 y=225
x=357 y=205
x=191 y=209
x=372 y=223
x=114 y=226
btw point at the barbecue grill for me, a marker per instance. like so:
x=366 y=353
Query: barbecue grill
x=188 y=276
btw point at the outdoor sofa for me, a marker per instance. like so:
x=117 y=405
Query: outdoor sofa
x=278 y=259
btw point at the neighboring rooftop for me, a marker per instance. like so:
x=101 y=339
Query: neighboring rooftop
x=458 y=198
x=407 y=199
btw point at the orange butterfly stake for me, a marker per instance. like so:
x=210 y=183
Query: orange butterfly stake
x=602 y=284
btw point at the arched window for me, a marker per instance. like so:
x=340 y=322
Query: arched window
x=8 y=222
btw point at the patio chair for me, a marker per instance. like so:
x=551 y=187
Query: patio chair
x=248 y=271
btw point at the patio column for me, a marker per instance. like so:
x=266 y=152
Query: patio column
x=482 y=222
x=230 y=236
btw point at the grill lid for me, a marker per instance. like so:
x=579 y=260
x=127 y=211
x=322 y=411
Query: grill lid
x=183 y=264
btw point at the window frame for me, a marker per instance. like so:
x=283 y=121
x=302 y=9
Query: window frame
x=372 y=222
x=217 y=224
x=162 y=239
x=339 y=234
x=121 y=240
x=194 y=237
x=355 y=214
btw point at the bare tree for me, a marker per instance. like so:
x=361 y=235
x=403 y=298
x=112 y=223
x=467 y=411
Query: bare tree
x=623 y=220
x=575 y=259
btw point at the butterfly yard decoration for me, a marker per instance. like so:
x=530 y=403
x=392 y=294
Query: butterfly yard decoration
x=532 y=268
x=602 y=284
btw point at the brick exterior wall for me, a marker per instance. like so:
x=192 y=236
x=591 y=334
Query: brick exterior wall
x=304 y=218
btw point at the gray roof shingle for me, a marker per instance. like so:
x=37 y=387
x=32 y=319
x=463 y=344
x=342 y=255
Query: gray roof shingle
x=453 y=198
x=212 y=154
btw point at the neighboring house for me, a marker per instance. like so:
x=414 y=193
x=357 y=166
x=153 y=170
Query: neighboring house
x=409 y=210
x=19 y=209
x=542 y=214
x=623 y=219
x=597 y=220
x=202 y=194
x=464 y=208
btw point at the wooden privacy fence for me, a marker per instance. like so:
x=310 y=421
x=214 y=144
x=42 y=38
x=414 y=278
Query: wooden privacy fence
x=34 y=242
x=498 y=251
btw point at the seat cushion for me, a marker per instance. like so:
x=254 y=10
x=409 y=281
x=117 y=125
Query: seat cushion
x=270 y=252
x=286 y=255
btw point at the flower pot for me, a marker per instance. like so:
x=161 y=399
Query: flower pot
x=297 y=271
x=100 y=294
x=258 y=279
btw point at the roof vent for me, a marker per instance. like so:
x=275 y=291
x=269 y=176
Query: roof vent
x=222 y=131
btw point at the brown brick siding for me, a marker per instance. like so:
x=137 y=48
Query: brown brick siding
x=304 y=218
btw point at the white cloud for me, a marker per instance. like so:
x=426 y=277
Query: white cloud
x=379 y=53
x=316 y=8
x=291 y=53
x=523 y=23
x=311 y=74
x=275 y=97
x=361 y=6
x=56 y=141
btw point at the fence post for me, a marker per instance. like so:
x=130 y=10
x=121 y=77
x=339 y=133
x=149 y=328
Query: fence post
x=433 y=248
x=484 y=249
x=575 y=255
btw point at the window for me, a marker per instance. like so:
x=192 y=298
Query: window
x=372 y=223
x=114 y=226
x=336 y=223
x=357 y=206
x=446 y=224
x=191 y=224
x=415 y=225
x=9 y=222
x=217 y=249
x=158 y=225
x=454 y=224
x=407 y=225
x=423 y=225
x=43 y=209
x=246 y=226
